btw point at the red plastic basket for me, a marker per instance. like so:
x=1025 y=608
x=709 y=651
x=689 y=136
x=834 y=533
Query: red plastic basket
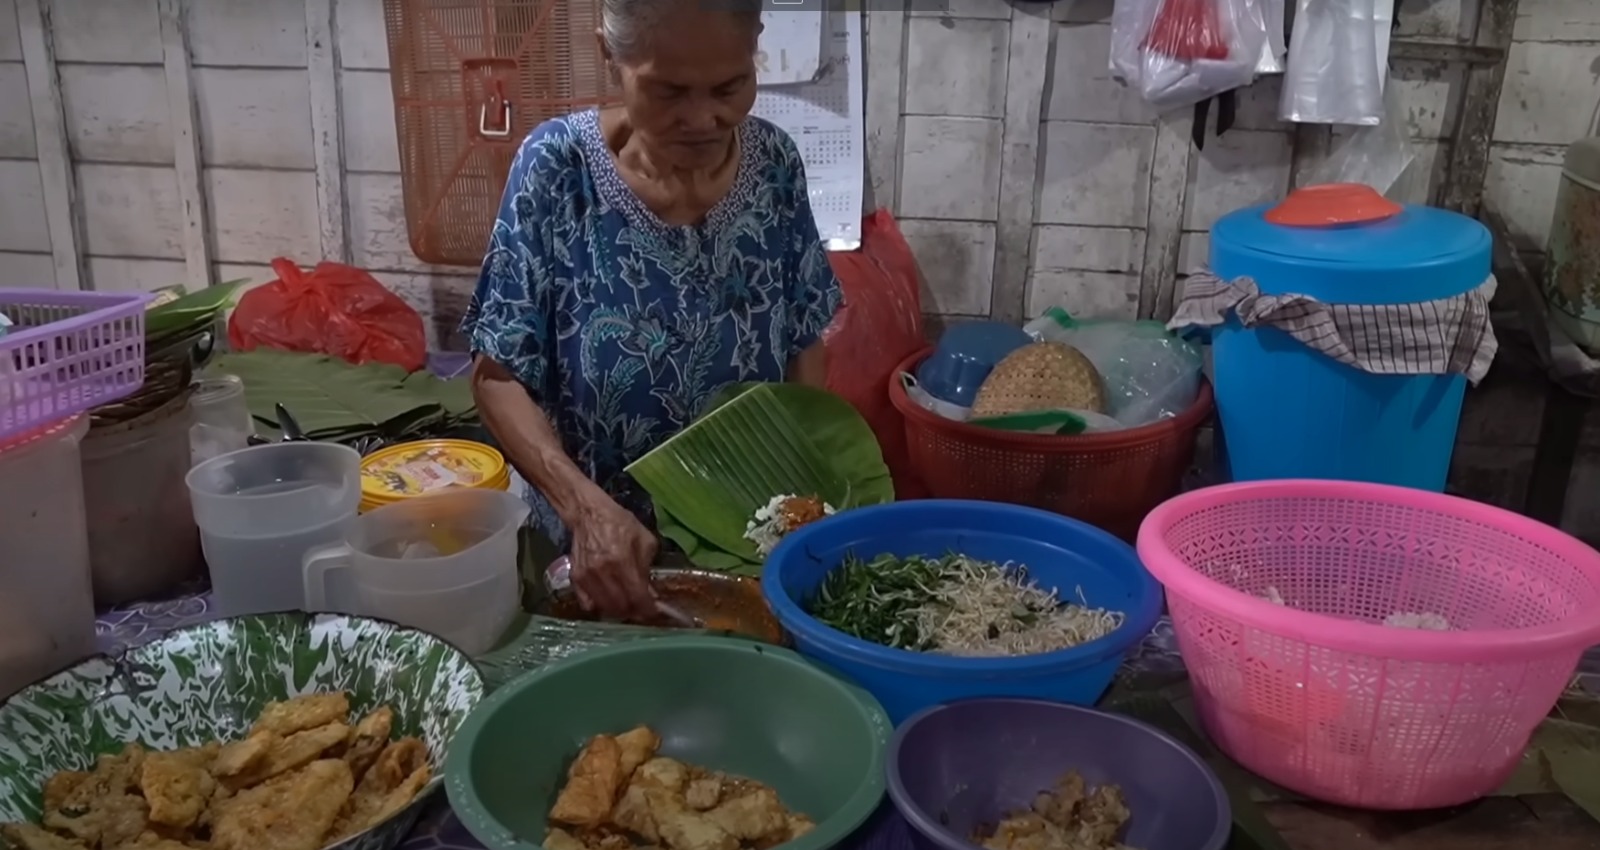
x=69 y=352
x=1110 y=480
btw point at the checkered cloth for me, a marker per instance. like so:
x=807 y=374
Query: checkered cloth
x=1447 y=336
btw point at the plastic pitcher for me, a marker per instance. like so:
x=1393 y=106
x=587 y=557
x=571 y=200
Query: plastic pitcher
x=445 y=563
x=261 y=509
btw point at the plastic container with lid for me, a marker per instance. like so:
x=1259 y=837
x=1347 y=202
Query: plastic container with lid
x=429 y=466
x=46 y=600
x=1289 y=411
x=142 y=536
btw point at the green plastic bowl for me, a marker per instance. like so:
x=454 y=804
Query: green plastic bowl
x=747 y=708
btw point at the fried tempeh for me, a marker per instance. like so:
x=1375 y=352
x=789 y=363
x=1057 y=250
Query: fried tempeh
x=26 y=836
x=303 y=712
x=178 y=785
x=291 y=812
x=291 y=753
x=367 y=740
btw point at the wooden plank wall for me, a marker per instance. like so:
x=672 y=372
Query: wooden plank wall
x=196 y=141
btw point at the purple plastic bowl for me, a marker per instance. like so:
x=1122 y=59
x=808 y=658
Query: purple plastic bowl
x=955 y=767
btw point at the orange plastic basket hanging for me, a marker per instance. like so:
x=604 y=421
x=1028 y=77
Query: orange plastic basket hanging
x=471 y=78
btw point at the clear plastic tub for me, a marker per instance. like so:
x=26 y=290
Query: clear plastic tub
x=261 y=509
x=221 y=419
x=46 y=604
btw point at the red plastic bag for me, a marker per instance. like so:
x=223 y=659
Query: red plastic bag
x=879 y=325
x=334 y=309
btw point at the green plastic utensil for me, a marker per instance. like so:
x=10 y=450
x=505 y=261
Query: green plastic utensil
x=747 y=708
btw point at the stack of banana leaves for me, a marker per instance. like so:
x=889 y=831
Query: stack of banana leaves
x=364 y=406
x=180 y=329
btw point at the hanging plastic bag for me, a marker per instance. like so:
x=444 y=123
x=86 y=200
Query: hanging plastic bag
x=1338 y=53
x=879 y=325
x=1180 y=52
x=1381 y=156
x=334 y=309
x=1275 y=45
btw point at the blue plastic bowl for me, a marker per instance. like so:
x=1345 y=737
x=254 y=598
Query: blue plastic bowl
x=956 y=767
x=1058 y=552
x=965 y=356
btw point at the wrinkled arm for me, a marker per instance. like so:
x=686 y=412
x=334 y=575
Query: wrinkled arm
x=810 y=367
x=510 y=326
x=530 y=442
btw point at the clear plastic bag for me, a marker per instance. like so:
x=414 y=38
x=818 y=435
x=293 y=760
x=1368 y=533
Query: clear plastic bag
x=1380 y=156
x=1149 y=373
x=1180 y=52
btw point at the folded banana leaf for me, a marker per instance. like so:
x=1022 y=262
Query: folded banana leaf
x=840 y=436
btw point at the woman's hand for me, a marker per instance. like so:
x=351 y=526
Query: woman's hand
x=612 y=553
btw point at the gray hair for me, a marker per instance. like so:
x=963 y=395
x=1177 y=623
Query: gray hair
x=625 y=25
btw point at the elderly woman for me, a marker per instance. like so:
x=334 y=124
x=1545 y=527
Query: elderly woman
x=645 y=257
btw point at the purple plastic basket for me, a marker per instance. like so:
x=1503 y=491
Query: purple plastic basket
x=956 y=767
x=67 y=352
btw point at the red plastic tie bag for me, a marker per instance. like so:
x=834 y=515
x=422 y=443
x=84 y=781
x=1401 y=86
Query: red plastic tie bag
x=879 y=325
x=334 y=309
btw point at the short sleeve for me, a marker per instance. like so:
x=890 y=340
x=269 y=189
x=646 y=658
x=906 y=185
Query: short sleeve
x=510 y=317
x=814 y=294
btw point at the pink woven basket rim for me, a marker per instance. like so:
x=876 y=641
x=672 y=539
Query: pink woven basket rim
x=1575 y=632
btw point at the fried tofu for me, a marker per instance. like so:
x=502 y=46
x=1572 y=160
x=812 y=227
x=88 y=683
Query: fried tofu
x=593 y=784
x=638 y=745
x=557 y=839
x=291 y=812
x=752 y=817
x=244 y=755
x=302 y=713
x=97 y=808
x=661 y=803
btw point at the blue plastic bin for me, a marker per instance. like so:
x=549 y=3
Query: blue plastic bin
x=1061 y=553
x=1290 y=412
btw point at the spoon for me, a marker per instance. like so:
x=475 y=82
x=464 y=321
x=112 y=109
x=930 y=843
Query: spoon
x=558 y=576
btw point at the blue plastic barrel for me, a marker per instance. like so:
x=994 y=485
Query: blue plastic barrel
x=1290 y=412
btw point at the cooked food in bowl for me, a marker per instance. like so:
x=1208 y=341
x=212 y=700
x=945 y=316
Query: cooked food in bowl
x=269 y=732
x=782 y=515
x=301 y=779
x=738 y=711
x=720 y=602
x=1070 y=816
x=620 y=794
x=954 y=605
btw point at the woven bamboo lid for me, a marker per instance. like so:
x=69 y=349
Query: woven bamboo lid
x=1041 y=376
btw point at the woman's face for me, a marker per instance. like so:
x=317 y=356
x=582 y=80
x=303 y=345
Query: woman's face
x=694 y=85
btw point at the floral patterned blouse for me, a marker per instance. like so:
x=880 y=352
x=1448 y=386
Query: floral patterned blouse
x=621 y=326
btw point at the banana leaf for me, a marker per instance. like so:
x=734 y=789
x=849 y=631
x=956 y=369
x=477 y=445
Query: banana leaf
x=326 y=395
x=188 y=311
x=841 y=436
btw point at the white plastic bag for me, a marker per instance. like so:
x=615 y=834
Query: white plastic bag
x=1273 y=48
x=1180 y=52
x=1338 y=53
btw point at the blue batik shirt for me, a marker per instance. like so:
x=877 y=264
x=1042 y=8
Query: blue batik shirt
x=623 y=327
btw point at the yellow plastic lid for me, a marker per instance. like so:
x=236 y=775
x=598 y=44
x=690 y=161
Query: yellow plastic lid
x=428 y=466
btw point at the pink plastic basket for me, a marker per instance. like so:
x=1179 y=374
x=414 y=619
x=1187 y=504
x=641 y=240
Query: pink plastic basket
x=1279 y=591
x=66 y=353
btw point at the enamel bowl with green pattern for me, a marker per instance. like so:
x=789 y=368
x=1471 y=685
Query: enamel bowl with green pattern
x=209 y=683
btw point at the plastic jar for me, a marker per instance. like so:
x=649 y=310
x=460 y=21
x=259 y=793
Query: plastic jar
x=46 y=601
x=221 y=420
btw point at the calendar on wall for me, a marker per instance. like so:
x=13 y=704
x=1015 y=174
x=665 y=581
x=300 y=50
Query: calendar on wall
x=791 y=47
x=826 y=118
